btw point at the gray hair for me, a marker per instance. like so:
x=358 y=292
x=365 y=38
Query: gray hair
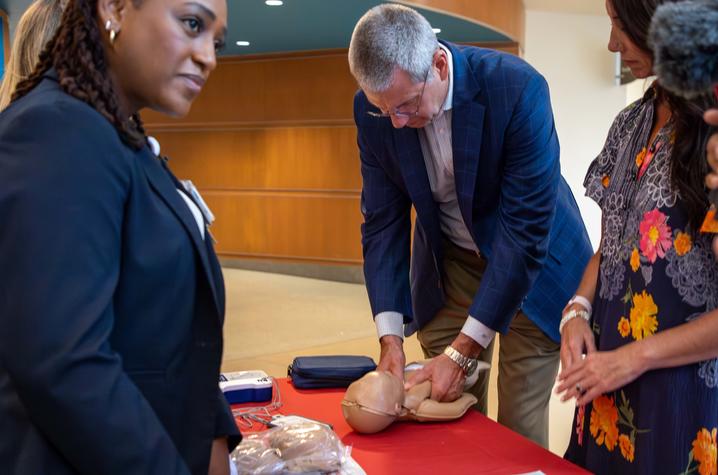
x=387 y=37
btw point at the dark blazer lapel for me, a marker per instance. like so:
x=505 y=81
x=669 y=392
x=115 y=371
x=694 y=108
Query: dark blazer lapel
x=161 y=181
x=467 y=122
x=218 y=279
x=413 y=169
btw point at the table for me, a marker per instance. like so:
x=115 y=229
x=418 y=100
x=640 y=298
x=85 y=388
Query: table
x=471 y=445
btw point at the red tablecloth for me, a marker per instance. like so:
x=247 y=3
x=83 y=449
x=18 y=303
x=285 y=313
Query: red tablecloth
x=474 y=444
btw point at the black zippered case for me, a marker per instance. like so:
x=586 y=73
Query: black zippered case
x=335 y=371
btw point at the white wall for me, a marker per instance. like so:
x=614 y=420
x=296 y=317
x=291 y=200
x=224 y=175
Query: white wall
x=570 y=51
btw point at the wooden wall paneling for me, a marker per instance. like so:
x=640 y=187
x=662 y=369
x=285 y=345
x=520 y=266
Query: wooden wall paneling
x=512 y=48
x=277 y=193
x=271 y=145
x=311 y=89
x=506 y=16
x=306 y=158
x=318 y=227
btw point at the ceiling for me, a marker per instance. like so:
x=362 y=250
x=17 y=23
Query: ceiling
x=300 y=25
x=320 y=24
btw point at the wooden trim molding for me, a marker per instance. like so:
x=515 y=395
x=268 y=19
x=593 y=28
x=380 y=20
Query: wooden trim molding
x=291 y=258
x=283 y=55
x=245 y=125
x=299 y=193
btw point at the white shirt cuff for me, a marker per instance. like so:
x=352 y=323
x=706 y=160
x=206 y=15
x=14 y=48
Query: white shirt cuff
x=478 y=332
x=389 y=323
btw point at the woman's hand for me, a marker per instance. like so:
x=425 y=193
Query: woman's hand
x=711 y=118
x=598 y=373
x=576 y=339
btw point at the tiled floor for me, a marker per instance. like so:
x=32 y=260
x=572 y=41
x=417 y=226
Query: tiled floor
x=272 y=318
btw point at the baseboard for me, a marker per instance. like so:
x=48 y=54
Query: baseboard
x=337 y=273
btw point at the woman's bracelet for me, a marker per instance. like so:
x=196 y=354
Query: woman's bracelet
x=570 y=315
x=582 y=301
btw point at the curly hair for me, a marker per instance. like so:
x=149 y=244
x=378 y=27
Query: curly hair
x=77 y=55
x=688 y=161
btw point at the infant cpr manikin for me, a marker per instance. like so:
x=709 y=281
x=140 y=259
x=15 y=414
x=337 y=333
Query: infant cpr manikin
x=374 y=401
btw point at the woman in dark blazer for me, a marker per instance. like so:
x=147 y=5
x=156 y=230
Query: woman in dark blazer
x=112 y=300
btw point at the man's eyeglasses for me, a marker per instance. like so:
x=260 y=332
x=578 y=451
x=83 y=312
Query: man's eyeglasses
x=407 y=110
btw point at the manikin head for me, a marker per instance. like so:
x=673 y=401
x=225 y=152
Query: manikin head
x=376 y=400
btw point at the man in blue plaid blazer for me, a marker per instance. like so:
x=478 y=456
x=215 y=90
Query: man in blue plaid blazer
x=465 y=135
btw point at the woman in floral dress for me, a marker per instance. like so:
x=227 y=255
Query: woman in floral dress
x=643 y=367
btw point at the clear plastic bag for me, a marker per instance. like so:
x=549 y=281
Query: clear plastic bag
x=302 y=447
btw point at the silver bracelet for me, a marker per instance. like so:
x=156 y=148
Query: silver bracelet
x=570 y=315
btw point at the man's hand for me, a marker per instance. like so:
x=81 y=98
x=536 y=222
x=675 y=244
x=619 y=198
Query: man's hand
x=392 y=357
x=576 y=340
x=447 y=378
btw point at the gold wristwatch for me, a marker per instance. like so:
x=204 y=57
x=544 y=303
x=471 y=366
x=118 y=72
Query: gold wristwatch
x=468 y=365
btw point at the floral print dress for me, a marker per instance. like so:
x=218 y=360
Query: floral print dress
x=653 y=275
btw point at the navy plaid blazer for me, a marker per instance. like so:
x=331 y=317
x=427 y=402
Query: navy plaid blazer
x=513 y=199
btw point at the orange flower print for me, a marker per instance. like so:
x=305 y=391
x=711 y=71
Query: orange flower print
x=635 y=260
x=710 y=222
x=627 y=449
x=655 y=235
x=640 y=157
x=604 y=422
x=704 y=451
x=683 y=244
x=605 y=181
x=643 y=316
x=624 y=327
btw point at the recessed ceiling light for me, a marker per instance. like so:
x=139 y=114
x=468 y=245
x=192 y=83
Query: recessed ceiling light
x=436 y=30
x=274 y=3
x=242 y=43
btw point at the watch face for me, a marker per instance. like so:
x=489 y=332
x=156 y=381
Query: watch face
x=471 y=366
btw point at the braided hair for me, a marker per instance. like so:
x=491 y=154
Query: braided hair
x=77 y=54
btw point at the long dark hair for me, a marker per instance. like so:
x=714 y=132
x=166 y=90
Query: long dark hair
x=688 y=158
x=77 y=54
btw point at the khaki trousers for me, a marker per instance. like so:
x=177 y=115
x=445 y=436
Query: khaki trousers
x=528 y=359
